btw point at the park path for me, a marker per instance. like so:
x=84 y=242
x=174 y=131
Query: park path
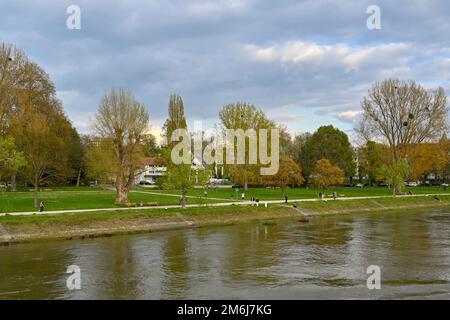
x=177 y=195
x=221 y=204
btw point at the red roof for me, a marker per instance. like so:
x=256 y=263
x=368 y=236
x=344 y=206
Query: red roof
x=152 y=161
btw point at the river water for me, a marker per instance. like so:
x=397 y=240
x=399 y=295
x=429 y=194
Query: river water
x=325 y=258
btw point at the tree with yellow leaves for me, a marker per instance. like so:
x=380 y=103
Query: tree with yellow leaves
x=325 y=174
x=289 y=173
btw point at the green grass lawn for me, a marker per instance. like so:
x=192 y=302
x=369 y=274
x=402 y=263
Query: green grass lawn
x=65 y=198
x=300 y=193
x=78 y=199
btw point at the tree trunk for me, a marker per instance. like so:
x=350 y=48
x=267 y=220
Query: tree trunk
x=183 y=198
x=35 y=192
x=121 y=195
x=121 y=191
x=78 y=177
x=13 y=183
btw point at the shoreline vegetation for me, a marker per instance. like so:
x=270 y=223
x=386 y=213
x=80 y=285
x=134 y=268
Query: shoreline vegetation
x=42 y=227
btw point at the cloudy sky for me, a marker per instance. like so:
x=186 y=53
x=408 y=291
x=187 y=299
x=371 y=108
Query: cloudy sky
x=305 y=63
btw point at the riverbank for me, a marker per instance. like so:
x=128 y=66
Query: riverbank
x=41 y=227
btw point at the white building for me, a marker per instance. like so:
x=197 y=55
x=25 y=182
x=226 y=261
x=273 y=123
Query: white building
x=152 y=169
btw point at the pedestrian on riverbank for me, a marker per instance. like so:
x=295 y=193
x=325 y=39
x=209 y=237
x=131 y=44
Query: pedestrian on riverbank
x=334 y=195
x=285 y=198
x=242 y=196
x=41 y=206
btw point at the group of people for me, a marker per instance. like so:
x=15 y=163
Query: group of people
x=322 y=195
x=254 y=201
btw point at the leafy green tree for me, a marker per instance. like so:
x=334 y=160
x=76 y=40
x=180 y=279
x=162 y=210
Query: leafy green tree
x=329 y=143
x=11 y=160
x=394 y=174
x=76 y=157
x=151 y=148
x=100 y=161
x=184 y=177
x=370 y=158
x=31 y=113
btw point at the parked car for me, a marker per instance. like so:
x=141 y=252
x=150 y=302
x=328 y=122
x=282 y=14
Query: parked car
x=444 y=185
x=146 y=182
x=2 y=185
x=411 y=184
x=359 y=185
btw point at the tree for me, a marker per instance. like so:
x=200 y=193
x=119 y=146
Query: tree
x=101 y=163
x=76 y=154
x=370 y=158
x=427 y=158
x=151 y=148
x=45 y=152
x=402 y=113
x=11 y=160
x=31 y=113
x=244 y=116
x=183 y=177
x=298 y=154
x=328 y=143
x=289 y=173
x=176 y=119
x=325 y=174
x=286 y=142
x=124 y=121
x=394 y=174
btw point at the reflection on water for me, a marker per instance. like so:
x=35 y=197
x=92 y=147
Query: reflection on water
x=325 y=258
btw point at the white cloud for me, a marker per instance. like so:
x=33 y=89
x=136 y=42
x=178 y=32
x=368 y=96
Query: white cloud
x=352 y=58
x=348 y=116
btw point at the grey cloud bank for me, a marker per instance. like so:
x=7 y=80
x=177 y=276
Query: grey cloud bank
x=305 y=62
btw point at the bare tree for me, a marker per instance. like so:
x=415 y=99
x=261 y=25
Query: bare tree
x=402 y=113
x=124 y=121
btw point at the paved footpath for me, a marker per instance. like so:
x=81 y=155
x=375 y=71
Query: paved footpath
x=221 y=204
x=178 y=196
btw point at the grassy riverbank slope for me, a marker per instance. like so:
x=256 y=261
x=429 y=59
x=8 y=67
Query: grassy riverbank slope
x=15 y=229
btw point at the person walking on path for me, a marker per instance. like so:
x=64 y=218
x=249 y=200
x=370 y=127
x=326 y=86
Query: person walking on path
x=285 y=198
x=242 y=196
x=41 y=206
x=334 y=195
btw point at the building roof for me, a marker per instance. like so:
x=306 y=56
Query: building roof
x=152 y=161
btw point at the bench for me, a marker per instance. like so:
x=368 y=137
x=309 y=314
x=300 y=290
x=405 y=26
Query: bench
x=152 y=204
